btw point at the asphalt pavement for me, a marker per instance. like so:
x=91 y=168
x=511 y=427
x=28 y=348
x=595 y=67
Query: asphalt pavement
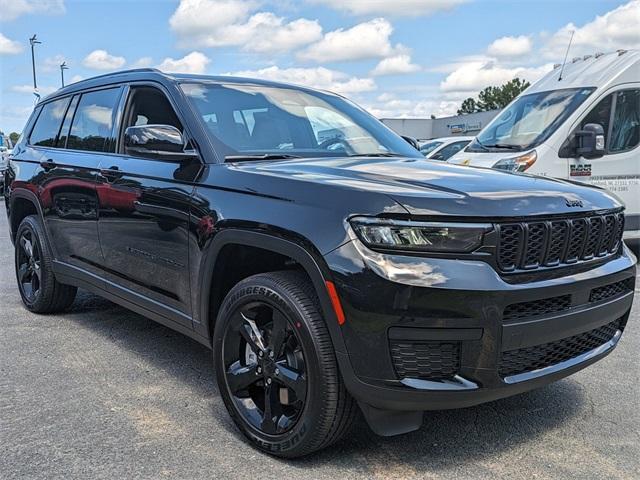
x=101 y=392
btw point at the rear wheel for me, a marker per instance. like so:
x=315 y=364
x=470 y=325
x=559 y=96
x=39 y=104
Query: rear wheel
x=39 y=289
x=276 y=367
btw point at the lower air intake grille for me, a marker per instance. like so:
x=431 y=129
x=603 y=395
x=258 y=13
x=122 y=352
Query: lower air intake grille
x=536 y=307
x=612 y=290
x=425 y=360
x=533 y=358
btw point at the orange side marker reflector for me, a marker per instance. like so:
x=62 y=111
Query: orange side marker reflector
x=335 y=301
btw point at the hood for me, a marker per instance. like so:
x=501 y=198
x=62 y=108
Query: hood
x=427 y=188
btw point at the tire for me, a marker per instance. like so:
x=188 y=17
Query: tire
x=311 y=418
x=39 y=289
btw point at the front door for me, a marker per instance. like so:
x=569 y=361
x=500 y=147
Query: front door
x=619 y=169
x=144 y=215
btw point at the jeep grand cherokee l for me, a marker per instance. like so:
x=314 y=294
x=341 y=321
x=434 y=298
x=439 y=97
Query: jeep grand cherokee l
x=327 y=264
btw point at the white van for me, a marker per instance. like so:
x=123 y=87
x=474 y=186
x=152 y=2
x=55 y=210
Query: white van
x=580 y=122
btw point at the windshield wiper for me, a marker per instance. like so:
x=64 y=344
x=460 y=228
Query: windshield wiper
x=505 y=146
x=266 y=156
x=389 y=154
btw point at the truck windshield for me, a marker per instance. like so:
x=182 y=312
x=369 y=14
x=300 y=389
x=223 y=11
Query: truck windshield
x=530 y=120
x=247 y=121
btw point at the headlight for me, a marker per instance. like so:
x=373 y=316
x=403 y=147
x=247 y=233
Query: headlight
x=517 y=164
x=424 y=237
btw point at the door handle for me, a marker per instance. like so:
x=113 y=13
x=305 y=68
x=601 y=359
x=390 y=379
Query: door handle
x=111 y=173
x=48 y=164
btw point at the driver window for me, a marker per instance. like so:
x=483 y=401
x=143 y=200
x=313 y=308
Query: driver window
x=625 y=127
x=149 y=106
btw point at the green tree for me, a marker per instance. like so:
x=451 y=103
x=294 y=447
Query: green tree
x=14 y=136
x=492 y=98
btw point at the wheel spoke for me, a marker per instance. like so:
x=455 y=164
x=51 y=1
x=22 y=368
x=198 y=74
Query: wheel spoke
x=23 y=272
x=251 y=333
x=37 y=270
x=241 y=376
x=292 y=379
x=278 y=333
x=27 y=247
x=271 y=410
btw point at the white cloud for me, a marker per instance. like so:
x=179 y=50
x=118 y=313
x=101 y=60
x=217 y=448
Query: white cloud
x=387 y=7
x=618 y=28
x=29 y=89
x=391 y=107
x=319 y=77
x=194 y=62
x=52 y=64
x=12 y=9
x=397 y=65
x=8 y=46
x=220 y=23
x=142 y=62
x=102 y=60
x=76 y=78
x=363 y=41
x=476 y=75
x=510 y=47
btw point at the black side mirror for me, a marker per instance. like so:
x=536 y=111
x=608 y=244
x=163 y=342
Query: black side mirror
x=411 y=141
x=164 y=141
x=590 y=141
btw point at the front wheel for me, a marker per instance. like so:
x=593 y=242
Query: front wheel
x=276 y=368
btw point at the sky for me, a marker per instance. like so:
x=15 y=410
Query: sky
x=396 y=58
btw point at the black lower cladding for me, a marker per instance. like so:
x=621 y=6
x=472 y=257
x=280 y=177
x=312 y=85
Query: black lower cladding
x=425 y=360
x=533 y=358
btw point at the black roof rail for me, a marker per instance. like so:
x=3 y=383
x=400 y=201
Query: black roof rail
x=119 y=72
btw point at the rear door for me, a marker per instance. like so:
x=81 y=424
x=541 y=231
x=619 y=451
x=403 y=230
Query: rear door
x=619 y=169
x=144 y=214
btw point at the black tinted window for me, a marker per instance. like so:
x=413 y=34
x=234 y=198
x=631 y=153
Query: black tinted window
x=93 y=122
x=600 y=115
x=47 y=126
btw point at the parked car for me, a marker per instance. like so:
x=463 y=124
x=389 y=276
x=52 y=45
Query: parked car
x=580 y=122
x=444 y=148
x=5 y=151
x=328 y=272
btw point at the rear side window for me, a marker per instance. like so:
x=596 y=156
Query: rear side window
x=64 y=131
x=92 y=127
x=47 y=125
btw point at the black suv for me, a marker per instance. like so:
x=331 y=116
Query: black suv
x=329 y=266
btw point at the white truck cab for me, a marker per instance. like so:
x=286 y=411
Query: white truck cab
x=580 y=122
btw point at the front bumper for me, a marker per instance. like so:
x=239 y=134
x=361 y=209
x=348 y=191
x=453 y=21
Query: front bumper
x=392 y=302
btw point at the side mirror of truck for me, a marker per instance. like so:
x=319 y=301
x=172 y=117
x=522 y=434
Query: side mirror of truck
x=411 y=141
x=590 y=141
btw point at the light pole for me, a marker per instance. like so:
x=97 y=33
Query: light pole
x=34 y=41
x=63 y=67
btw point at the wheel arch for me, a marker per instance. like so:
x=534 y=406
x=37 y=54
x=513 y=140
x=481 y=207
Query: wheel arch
x=21 y=204
x=311 y=263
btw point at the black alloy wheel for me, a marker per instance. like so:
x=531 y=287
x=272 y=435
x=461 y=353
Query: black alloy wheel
x=39 y=289
x=276 y=367
x=265 y=368
x=29 y=266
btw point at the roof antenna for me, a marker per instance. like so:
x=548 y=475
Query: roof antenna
x=566 y=55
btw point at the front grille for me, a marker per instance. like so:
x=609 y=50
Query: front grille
x=531 y=245
x=612 y=290
x=536 y=308
x=425 y=360
x=533 y=358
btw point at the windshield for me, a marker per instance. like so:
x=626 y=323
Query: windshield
x=530 y=120
x=427 y=148
x=249 y=120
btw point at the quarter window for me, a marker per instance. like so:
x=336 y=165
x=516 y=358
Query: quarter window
x=47 y=126
x=92 y=127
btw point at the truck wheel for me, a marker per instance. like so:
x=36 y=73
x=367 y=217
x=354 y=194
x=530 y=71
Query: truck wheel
x=276 y=367
x=39 y=289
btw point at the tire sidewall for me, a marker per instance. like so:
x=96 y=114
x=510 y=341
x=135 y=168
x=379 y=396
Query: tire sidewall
x=296 y=439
